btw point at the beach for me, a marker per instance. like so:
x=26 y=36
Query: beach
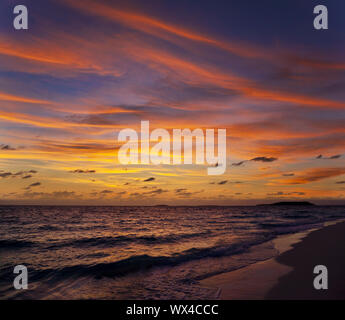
x=290 y=274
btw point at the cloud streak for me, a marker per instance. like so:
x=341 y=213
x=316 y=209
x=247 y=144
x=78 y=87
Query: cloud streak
x=315 y=174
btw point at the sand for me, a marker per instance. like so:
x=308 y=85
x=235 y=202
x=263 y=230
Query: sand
x=290 y=274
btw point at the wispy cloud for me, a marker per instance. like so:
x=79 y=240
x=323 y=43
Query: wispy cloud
x=237 y=164
x=316 y=174
x=282 y=193
x=264 y=159
x=6 y=147
x=35 y=184
x=22 y=174
x=336 y=156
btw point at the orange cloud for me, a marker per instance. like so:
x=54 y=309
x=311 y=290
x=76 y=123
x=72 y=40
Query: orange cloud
x=66 y=53
x=291 y=98
x=157 y=28
x=9 y=97
x=314 y=63
x=192 y=73
x=50 y=122
x=316 y=174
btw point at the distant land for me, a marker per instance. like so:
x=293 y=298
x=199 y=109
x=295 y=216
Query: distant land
x=289 y=203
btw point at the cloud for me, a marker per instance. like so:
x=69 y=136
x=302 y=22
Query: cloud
x=5 y=174
x=149 y=179
x=63 y=194
x=101 y=193
x=316 y=174
x=281 y=193
x=106 y=191
x=6 y=147
x=156 y=191
x=336 y=156
x=19 y=173
x=304 y=144
x=256 y=159
x=164 y=30
x=288 y=174
x=82 y=171
x=35 y=184
x=148 y=193
x=226 y=181
x=264 y=159
x=51 y=195
x=317 y=63
x=340 y=182
x=184 y=193
x=23 y=174
x=278 y=193
x=237 y=164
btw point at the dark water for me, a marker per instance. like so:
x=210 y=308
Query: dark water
x=139 y=252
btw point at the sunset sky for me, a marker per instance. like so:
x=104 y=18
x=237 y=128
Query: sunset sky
x=84 y=70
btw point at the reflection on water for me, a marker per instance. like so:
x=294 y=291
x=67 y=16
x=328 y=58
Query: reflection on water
x=138 y=252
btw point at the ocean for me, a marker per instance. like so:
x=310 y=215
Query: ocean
x=85 y=252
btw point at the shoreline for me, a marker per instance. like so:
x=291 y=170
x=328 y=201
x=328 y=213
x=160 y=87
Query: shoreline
x=289 y=275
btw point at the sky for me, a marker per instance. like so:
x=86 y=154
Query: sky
x=84 y=70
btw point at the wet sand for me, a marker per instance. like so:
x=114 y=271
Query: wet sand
x=290 y=274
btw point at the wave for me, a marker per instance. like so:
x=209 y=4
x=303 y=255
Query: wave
x=286 y=224
x=138 y=263
x=111 y=241
x=48 y=228
x=15 y=244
